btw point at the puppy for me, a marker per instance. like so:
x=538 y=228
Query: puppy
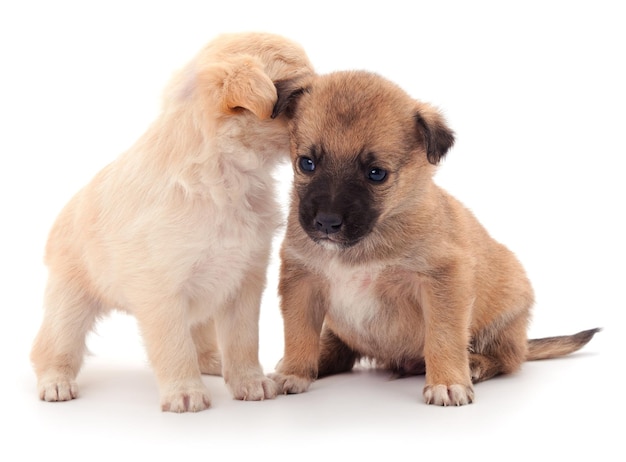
x=379 y=263
x=178 y=229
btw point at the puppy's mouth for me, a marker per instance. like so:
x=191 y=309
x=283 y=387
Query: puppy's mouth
x=333 y=242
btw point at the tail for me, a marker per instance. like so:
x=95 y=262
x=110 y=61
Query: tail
x=553 y=347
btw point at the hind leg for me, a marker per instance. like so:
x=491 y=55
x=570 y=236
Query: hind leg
x=209 y=358
x=59 y=348
x=501 y=348
x=483 y=367
x=335 y=356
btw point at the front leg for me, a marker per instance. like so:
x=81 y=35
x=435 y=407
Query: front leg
x=303 y=307
x=237 y=326
x=172 y=353
x=447 y=313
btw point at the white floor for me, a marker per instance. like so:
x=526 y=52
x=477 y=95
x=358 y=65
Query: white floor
x=563 y=408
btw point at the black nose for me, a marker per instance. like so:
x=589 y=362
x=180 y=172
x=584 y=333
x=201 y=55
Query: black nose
x=328 y=223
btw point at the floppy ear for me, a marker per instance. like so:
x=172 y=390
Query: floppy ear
x=437 y=137
x=247 y=86
x=289 y=92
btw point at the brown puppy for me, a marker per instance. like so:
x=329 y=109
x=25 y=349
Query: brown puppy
x=178 y=229
x=381 y=262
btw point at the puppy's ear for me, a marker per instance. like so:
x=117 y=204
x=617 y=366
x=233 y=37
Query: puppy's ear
x=247 y=86
x=289 y=92
x=437 y=137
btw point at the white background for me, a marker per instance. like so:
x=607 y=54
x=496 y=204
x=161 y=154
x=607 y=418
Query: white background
x=535 y=93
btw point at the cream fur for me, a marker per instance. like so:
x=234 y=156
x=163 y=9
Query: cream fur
x=177 y=231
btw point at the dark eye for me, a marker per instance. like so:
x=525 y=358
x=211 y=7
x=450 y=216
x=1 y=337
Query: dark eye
x=306 y=164
x=376 y=174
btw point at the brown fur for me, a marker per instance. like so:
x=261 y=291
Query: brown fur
x=178 y=230
x=396 y=270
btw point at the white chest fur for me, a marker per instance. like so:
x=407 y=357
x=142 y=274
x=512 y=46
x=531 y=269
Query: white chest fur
x=353 y=301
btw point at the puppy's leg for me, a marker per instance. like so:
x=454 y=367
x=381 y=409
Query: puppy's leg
x=447 y=315
x=335 y=356
x=59 y=347
x=172 y=353
x=501 y=348
x=209 y=358
x=303 y=307
x=238 y=334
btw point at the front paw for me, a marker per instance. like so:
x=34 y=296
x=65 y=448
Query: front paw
x=291 y=384
x=58 y=388
x=255 y=388
x=187 y=397
x=448 y=395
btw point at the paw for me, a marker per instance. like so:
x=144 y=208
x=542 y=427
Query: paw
x=192 y=397
x=57 y=389
x=448 y=395
x=210 y=363
x=256 y=388
x=291 y=384
x=483 y=368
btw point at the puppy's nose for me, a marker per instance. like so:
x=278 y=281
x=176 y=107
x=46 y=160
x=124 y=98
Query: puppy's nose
x=328 y=223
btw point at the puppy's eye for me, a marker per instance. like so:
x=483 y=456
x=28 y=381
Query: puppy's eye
x=376 y=174
x=306 y=164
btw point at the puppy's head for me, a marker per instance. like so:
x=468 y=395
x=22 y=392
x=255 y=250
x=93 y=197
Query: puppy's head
x=363 y=154
x=243 y=72
x=263 y=67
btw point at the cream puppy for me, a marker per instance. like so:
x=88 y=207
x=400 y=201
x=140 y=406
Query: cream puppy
x=178 y=230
